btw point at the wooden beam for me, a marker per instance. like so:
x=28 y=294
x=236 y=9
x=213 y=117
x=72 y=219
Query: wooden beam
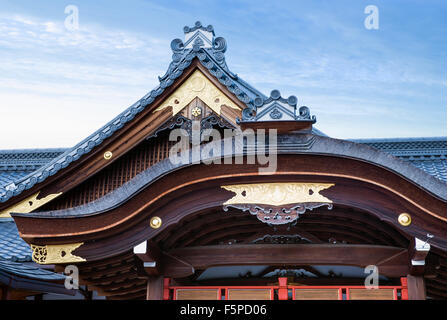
x=107 y=271
x=416 y=288
x=203 y=257
x=107 y=280
x=175 y=267
x=365 y=219
x=156 y=262
x=154 y=288
x=313 y=271
x=417 y=252
x=149 y=253
x=122 y=285
x=140 y=295
x=4 y=293
x=128 y=290
x=259 y=281
x=107 y=262
x=196 y=225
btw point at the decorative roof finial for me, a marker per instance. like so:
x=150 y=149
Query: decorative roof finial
x=276 y=108
x=197 y=26
x=198 y=40
x=198 y=36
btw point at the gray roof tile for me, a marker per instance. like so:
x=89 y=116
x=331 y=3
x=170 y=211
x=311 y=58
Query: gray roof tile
x=8 y=177
x=437 y=168
x=17 y=164
x=428 y=154
x=29 y=270
x=12 y=247
x=15 y=255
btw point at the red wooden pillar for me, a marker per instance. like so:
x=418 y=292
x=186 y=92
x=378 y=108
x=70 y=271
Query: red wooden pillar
x=404 y=292
x=166 y=283
x=283 y=292
x=154 y=288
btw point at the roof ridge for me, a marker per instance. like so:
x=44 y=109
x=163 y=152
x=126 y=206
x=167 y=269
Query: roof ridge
x=400 y=139
x=31 y=150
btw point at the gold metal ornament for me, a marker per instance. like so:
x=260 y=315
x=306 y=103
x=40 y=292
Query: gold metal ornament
x=277 y=194
x=404 y=219
x=55 y=254
x=197 y=85
x=108 y=155
x=155 y=222
x=196 y=111
x=28 y=205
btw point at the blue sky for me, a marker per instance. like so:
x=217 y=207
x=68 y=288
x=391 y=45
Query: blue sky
x=58 y=86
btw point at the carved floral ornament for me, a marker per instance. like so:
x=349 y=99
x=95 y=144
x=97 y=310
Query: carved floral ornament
x=54 y=254
x=277 y=203
x=197 y=85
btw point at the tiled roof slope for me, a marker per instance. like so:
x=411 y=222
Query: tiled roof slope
x=17 y=164
x=12 y=247
x=28 y=159
x=15 y=255
x=428 y=154
x=29 y=270
x=9 y=176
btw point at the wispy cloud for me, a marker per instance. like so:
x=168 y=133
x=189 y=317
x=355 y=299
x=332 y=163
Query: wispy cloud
x=353 y=79
x=44 y=66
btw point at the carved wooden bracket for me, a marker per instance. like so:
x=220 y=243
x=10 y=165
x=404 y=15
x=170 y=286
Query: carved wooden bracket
x=157 y=262
x=277 y=215
x=418 y=252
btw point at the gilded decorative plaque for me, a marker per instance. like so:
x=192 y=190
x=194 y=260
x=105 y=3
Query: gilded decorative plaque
x=277 y=203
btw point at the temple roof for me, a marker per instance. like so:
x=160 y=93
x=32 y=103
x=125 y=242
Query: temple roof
x=22 y=169
x=209 y=53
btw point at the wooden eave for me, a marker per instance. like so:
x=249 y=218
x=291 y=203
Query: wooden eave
x=356 y=184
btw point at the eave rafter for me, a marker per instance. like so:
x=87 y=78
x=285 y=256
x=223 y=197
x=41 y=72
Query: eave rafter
x=184 y=261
